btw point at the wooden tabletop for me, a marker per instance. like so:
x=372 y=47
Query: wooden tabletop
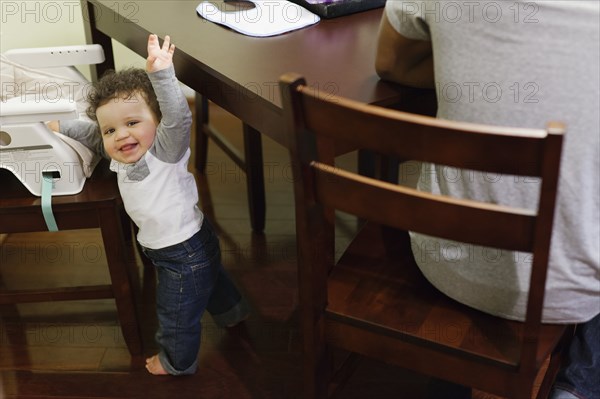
x=240 y=73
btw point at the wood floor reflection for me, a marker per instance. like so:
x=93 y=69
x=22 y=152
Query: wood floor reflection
x=76 y=350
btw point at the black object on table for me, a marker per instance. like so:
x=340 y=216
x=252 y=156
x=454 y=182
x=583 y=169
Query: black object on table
x=337 y=8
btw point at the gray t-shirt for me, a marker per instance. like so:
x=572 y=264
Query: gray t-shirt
x=523 y=64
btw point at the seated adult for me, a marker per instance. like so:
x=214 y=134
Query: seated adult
x=517 y=64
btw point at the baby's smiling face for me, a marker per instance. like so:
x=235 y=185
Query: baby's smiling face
x=128 y=127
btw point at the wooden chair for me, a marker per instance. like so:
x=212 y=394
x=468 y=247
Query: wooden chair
x=98 y=205
x=374 y=301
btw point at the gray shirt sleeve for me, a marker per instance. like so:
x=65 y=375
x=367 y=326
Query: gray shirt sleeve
x=173 y=132
x=408 y=19
x=86 y=132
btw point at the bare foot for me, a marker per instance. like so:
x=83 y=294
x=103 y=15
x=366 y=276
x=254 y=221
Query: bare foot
x=154 y=367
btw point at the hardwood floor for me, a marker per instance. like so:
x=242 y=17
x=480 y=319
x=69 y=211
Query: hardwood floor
x=76 y=350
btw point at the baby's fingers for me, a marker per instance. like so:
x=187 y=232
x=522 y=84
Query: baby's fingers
x=152 y=42
x=167 y=46
x=166 y=43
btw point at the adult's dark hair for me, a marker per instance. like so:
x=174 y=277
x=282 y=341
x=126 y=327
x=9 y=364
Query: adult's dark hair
x=122 y=84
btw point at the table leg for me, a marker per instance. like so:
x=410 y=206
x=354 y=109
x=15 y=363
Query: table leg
x=254 y=177
x=94 y=36
x=201 y=109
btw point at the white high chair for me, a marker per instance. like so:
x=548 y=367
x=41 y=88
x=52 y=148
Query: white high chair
x=38 y=85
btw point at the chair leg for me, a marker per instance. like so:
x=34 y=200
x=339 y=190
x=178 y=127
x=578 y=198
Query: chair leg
x=366 y=163
x=317 y=359
x=319 y=375
x=556 y=358
x=112 y=236
x=342 y=374
x=254 y=177
x=378 y=166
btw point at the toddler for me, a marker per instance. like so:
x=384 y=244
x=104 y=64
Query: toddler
x=143 y=124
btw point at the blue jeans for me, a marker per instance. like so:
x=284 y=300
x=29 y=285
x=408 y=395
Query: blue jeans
x=579 y=376
x=191 y=279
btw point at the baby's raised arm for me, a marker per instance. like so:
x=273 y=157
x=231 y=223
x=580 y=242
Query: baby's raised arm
x=159 y=58
x=172 y=139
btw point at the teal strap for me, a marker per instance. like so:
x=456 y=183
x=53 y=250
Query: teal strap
x=47 y=183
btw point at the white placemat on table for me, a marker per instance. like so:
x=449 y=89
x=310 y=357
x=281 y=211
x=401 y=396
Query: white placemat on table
x=266 y=18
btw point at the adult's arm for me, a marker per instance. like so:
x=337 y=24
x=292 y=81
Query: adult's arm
x=403 y=60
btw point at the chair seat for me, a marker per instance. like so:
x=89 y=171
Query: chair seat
x=22 y=212
x=393 y=298
x=98 y=205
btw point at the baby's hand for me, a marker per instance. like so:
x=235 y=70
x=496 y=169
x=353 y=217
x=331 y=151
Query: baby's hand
x=53 y=125
x=159 y=58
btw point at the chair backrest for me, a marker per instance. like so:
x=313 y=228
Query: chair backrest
x=319 y=123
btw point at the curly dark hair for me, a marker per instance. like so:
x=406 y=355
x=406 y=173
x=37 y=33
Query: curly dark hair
x=122 y=84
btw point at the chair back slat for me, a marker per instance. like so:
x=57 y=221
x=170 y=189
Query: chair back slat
x=434 y=215
x=408 y=136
